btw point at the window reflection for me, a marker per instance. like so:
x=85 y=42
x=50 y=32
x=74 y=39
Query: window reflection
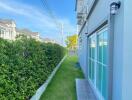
x=98 y=62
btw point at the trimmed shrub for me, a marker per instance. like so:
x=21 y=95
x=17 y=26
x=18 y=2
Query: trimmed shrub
x=25 y=64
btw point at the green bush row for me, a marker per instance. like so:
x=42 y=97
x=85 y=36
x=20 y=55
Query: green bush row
x=25 y=64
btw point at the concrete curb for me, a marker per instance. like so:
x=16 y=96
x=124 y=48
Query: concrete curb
x=42 y=89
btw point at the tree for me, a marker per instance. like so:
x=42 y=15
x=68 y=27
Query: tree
x=72 y=42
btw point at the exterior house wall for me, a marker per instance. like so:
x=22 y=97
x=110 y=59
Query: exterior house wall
x=28 y=33
x=122 y=49
x=122 y=53
x=1 y=31
x=13 y=30
x=118 y=54
x=127 y=52
x=99 y=14
x=83 y=53
x=8 y=29
x=5 y=33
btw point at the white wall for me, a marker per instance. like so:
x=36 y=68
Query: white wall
x=118 y=54
x=127 y=52
x=83 y=54
x=122 y=58
x=122 y=69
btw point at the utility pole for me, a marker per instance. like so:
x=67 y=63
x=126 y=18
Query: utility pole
x=77 y=37
x=62 y=34
x=77 y=30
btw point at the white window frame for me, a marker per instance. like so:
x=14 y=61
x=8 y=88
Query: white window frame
x=96 y=34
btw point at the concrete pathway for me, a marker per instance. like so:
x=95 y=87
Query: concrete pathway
x=83 y=90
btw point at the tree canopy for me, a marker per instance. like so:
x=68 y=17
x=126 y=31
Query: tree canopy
x=72 y=41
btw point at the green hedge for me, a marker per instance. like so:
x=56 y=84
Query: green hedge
x=25 y=64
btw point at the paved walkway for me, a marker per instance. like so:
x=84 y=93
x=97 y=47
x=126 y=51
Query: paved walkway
x=84 y=91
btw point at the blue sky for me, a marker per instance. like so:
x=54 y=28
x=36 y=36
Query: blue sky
x=31 y=14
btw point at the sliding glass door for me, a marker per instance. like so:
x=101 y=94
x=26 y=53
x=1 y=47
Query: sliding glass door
x=92 y=56
x=98 y=62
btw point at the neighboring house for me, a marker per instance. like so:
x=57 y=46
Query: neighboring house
x=47 y=40
x=105 y=47
x=7 y=29
x=28 y=33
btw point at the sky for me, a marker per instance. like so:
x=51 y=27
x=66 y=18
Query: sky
x=33 y=14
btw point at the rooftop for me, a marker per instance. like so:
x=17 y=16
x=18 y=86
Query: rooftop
x=27 y=32
x=7 y=21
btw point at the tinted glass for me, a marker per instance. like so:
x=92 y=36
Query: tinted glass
x=104 y=82
x=105 y=47
x=99 y=76
x=100 y=48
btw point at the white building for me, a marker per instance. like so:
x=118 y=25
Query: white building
x=48 y=40
x=28 y=33
x=7 y=29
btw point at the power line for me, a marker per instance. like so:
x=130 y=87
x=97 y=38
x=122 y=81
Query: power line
x=57 y=23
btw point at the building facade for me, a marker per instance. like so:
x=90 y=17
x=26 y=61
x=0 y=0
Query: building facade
x=105 y=49
x=28 y=33
x=48 y=40
x=7 y=29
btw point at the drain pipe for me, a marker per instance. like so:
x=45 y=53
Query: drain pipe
x=114 y=7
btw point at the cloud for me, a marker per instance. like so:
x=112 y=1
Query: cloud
x=36 y=16
x=28 y=11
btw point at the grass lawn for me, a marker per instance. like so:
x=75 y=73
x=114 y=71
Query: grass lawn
x=62 y=87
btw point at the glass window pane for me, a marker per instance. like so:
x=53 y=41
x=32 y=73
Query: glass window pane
x=92 y=69
x=100 y=47
x=92 y=50
x=102 y=75
x=105 y=83
x=89 y=69
x=89 y=48
x=98 y=63
x=105 y=47
x=93 y=46
x=98 y=76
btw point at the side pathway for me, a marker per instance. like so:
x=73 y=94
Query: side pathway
x=62 y=86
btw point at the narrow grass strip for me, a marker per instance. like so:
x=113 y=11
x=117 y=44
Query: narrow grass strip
x=42 y=89
x=62 y=87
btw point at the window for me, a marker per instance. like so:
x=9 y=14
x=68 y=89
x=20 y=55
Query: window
x=92 y=57
x=98 y=62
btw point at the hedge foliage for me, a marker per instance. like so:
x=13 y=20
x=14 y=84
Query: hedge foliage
x=25 y=64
